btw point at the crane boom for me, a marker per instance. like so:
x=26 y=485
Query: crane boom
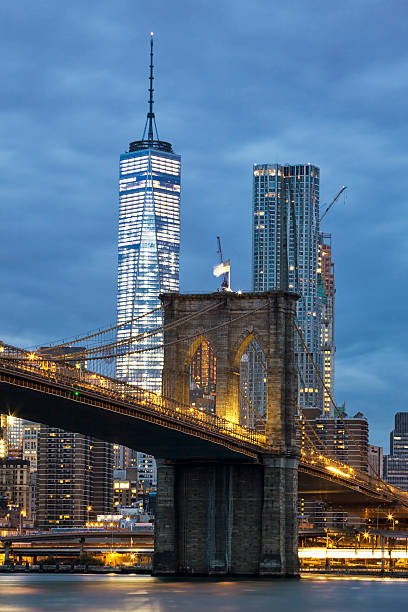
x=332 y=203
x=225 y=283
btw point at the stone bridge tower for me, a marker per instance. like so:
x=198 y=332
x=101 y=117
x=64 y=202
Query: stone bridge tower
x=225 y=517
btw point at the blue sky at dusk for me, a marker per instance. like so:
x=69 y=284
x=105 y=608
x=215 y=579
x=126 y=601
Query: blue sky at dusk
x=236 y=83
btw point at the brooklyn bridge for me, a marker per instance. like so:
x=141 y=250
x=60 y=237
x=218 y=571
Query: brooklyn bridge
x=211 y=467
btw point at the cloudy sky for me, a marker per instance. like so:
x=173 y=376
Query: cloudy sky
x=237 y=83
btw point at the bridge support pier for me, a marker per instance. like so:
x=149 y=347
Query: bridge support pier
x=225 y=518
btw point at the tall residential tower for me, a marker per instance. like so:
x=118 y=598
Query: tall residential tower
x=149 y=245
x=285 y=256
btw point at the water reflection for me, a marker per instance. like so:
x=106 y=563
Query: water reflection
x=22 y=593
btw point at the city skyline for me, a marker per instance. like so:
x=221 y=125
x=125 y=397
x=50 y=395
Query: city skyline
x=60 y=195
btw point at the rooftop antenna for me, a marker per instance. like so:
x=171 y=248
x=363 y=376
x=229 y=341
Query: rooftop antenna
x=151 y=120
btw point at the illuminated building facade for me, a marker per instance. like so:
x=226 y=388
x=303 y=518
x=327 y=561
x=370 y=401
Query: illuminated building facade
x=149 y=246
x=285 y=256
x=327 y=292
x=14 y=485
x=148 y=249
x=74 y=480
x=13 y=428
x=396 y=463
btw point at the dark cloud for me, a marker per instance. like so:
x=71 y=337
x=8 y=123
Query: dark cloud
x=237 y=83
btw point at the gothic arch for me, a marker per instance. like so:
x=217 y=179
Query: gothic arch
x=193 y=348
x=242 y=345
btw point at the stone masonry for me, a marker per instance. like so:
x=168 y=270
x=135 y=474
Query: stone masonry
x=220 y=517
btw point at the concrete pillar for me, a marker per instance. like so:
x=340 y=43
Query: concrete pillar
x=165 y=553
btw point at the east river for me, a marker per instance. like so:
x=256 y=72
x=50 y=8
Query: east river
x=90 y=593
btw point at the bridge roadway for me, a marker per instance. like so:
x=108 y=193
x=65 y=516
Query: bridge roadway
x=76 y=399
x=74 y=543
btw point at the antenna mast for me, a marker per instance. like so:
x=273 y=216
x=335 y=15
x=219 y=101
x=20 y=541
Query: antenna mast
x=151 y=119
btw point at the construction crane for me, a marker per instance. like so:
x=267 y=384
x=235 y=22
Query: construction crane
x=331 y=203
x=222 y=268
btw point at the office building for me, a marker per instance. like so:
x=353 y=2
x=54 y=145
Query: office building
x=149 y=245
x=125 y=488
x=13 y=428
x=14 y=486
x=148 y=248
x=375 y=461
x=396 y=463
x=74 y=481
x=285 y=256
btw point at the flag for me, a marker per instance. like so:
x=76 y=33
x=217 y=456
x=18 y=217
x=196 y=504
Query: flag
x=222 y=268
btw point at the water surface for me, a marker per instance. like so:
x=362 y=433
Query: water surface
x=92 y=593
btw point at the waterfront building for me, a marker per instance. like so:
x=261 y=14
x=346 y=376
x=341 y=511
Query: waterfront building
x=74 y=481
x=396 y=463
x=285 y=256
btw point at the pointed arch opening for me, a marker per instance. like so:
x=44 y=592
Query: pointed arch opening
x=253 y=380
x=202 y=375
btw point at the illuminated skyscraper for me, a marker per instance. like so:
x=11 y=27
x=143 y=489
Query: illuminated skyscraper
x=327 y=290
x=149 y=244
x=285 y=256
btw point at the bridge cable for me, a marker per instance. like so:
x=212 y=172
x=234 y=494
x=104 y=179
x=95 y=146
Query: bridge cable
x=100 y=332
x=164 y=345
x=87 y=353
x=256 y=413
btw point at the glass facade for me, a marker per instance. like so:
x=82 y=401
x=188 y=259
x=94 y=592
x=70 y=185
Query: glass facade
x=149 y=245
x=286 y=212
x=327 y=290
x=396 y=463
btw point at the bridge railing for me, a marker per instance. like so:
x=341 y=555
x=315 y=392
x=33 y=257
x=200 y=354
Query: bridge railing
x=73 y=374
x=336 y=468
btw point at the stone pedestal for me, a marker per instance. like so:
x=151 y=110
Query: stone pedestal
x=220 y=518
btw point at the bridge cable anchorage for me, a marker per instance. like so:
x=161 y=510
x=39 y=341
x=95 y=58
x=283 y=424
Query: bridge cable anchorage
x=164 y=345
x=363 y=456
x=100 y=332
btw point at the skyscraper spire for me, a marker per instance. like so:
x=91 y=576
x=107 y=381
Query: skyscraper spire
x=150 y=136
x=151 y=120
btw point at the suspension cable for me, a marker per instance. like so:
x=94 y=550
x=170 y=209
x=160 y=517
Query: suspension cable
x=364 y=457
x=104 y=331
x=164 y=345
x=256 y=413
x=87 y=353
